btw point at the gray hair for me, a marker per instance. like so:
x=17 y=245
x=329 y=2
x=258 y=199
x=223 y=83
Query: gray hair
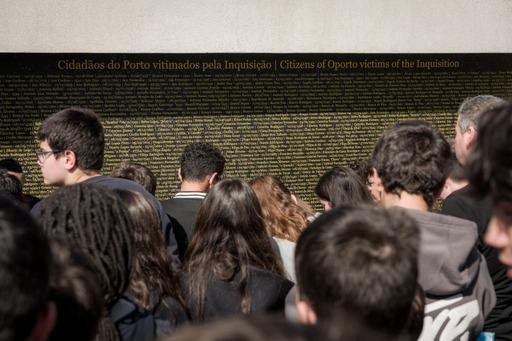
x=473 y=107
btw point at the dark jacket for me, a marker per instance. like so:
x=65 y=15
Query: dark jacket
x=267 y=291
x=183 y=214
x=135 y=323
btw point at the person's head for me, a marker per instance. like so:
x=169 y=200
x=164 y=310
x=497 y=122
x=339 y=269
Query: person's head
x=201 y=162
x=283 y=215
x=414 y=325
x=228 y=237
x=96 y=221
x=14 y=168
x=70 y=141
x=136 y=172
x=250 y=328
x=412 y=157
x=340 y=187
x=468 y=115
x=490 y=172
x=152 y=277
x=364 y=169
x=26 y=312
x=361 y=260
x=455 y=180
x=10 y=185
x=75 y=290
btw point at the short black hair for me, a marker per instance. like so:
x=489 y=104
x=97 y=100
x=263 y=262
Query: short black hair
x=78 y=130
x=341 y=187
x=490 y=165
x=9 y=184
x=24 y=271
x=138 y=173
x=200 y=159
x=362 y=260
x=11 y=165
x=413 y=157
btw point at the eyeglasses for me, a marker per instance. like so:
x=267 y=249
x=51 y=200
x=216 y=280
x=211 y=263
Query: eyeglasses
x=42 y=155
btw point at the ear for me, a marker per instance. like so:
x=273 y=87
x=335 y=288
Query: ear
x=327 y=204
x=179 y=175
x=377 y=181
x=45 y=323
x=213 y=179
x=470 y=137
x=444 y=191
x=306 y=313
x=69 y=159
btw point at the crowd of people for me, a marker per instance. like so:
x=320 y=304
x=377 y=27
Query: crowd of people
x=101 y=258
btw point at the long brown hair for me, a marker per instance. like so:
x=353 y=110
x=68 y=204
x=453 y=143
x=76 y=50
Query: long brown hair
x=152 y=277
x=283 y=216
x=229 y=236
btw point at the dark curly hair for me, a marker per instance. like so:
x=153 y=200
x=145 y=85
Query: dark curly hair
x=413 y=157
x=200 y=159
x=95 y=220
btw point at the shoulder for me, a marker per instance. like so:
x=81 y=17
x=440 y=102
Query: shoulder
x=268 y=280
x=181 y=202
x=115 y=183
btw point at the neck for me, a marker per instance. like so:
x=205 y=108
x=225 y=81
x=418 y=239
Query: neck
x=405 y=200
x=78 y=176
x=193 y=186
x=458 y=185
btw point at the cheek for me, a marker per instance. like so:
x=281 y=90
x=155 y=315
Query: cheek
x=499 y=233
x=51 y=172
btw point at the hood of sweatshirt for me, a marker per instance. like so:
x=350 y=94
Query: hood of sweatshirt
x=448 y=259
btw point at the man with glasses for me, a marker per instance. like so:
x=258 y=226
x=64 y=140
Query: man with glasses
x=71 y=149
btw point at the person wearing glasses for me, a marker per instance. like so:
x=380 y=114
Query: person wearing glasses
x=71 y=149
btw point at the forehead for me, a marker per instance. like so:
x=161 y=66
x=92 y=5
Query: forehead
x=44 y=145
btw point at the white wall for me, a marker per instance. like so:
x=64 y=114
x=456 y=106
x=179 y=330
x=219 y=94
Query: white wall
x=256 y=26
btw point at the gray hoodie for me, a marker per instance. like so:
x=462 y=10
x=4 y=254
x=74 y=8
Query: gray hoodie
x=458 y=288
